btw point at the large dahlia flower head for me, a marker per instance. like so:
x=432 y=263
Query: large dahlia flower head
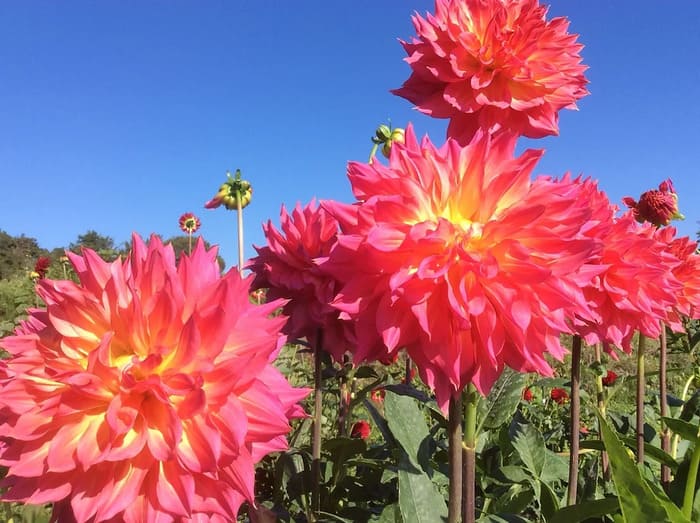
x=458 y=255
x=144 y=393
x=493 y=65
x=288 y=268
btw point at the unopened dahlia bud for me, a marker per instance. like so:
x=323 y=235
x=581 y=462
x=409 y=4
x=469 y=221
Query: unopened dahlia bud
x=656 y=206
x=229 y=191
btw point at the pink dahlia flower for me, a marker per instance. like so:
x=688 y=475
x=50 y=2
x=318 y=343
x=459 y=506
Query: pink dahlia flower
x=457 y=255
x=143 y=393
x=287 y=267
x=635 y=288
x=493 y=64
x=687 y=271
x=657 y=207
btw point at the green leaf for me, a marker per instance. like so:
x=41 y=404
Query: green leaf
x=390 y=514
x=498 y=407
x=502 y=518
x=586 y=510
x=529 y=444
x=419 y=500
x=684 y=429
x=638 y=501
x=549 y=503
x=650 y=450
x=556 y=468
x=407 y=424
x=514 y=473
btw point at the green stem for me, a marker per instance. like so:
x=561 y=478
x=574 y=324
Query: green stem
x=684 y=397
x=689 y=494
x=641 y=379
x=239 y=210
x=454 y=428
x=575 y=407
x=189 y=243
x=469 y=497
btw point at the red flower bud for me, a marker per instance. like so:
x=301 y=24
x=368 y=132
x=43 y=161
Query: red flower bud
x=560 y=396
x=527 y=394
x=361 y=429
x=609 y=379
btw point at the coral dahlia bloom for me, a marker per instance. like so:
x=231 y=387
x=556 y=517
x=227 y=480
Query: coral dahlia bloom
x=657 y=207
x=287 y=268
x=635 y=290
x=457 y=255
x=687 y=272
x=143 y=393
x=493 y=64
x=189 y=223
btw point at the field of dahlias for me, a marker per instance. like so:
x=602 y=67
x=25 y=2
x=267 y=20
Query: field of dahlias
x=464 y=342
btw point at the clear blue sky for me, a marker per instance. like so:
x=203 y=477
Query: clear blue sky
x=119 y=116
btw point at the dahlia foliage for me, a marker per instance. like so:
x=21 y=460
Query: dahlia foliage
x=493 y=64
x=287 y=268
x=143 y=393
x=456 y=254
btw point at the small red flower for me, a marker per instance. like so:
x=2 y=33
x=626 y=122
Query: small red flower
x=377 y=395
x=361 y=429
x=609 y=379
x=560 y=396
x=527 y=394
x=583 y=429
x=41 y=267
x=189 y=223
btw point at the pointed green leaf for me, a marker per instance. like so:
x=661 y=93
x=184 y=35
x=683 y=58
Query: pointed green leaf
x=684 y=429
x=407 y=424
x=498 y=407
x=390 y=514
x=529 y=444
x=419 y=500
x=637 y=500
x=586 y=510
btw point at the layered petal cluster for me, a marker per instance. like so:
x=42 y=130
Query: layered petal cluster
x=143 y=393
x=287 y=267
x=687 y=271
x=493 y=64
x=656 y=206
x=458 y=256
x=635 y=288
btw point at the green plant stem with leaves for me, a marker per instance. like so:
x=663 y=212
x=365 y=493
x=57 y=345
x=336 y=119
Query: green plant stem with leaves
x=684 y=398
x=471 y=402
x=575 y=418
x=641 y=378
x=454 y=441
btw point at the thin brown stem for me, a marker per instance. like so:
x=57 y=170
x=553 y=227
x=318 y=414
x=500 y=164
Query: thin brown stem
x=575 y=407
x=602 y=407
x=641 y=379
x=316 y=434
x=454 y=427
x=665 y=439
